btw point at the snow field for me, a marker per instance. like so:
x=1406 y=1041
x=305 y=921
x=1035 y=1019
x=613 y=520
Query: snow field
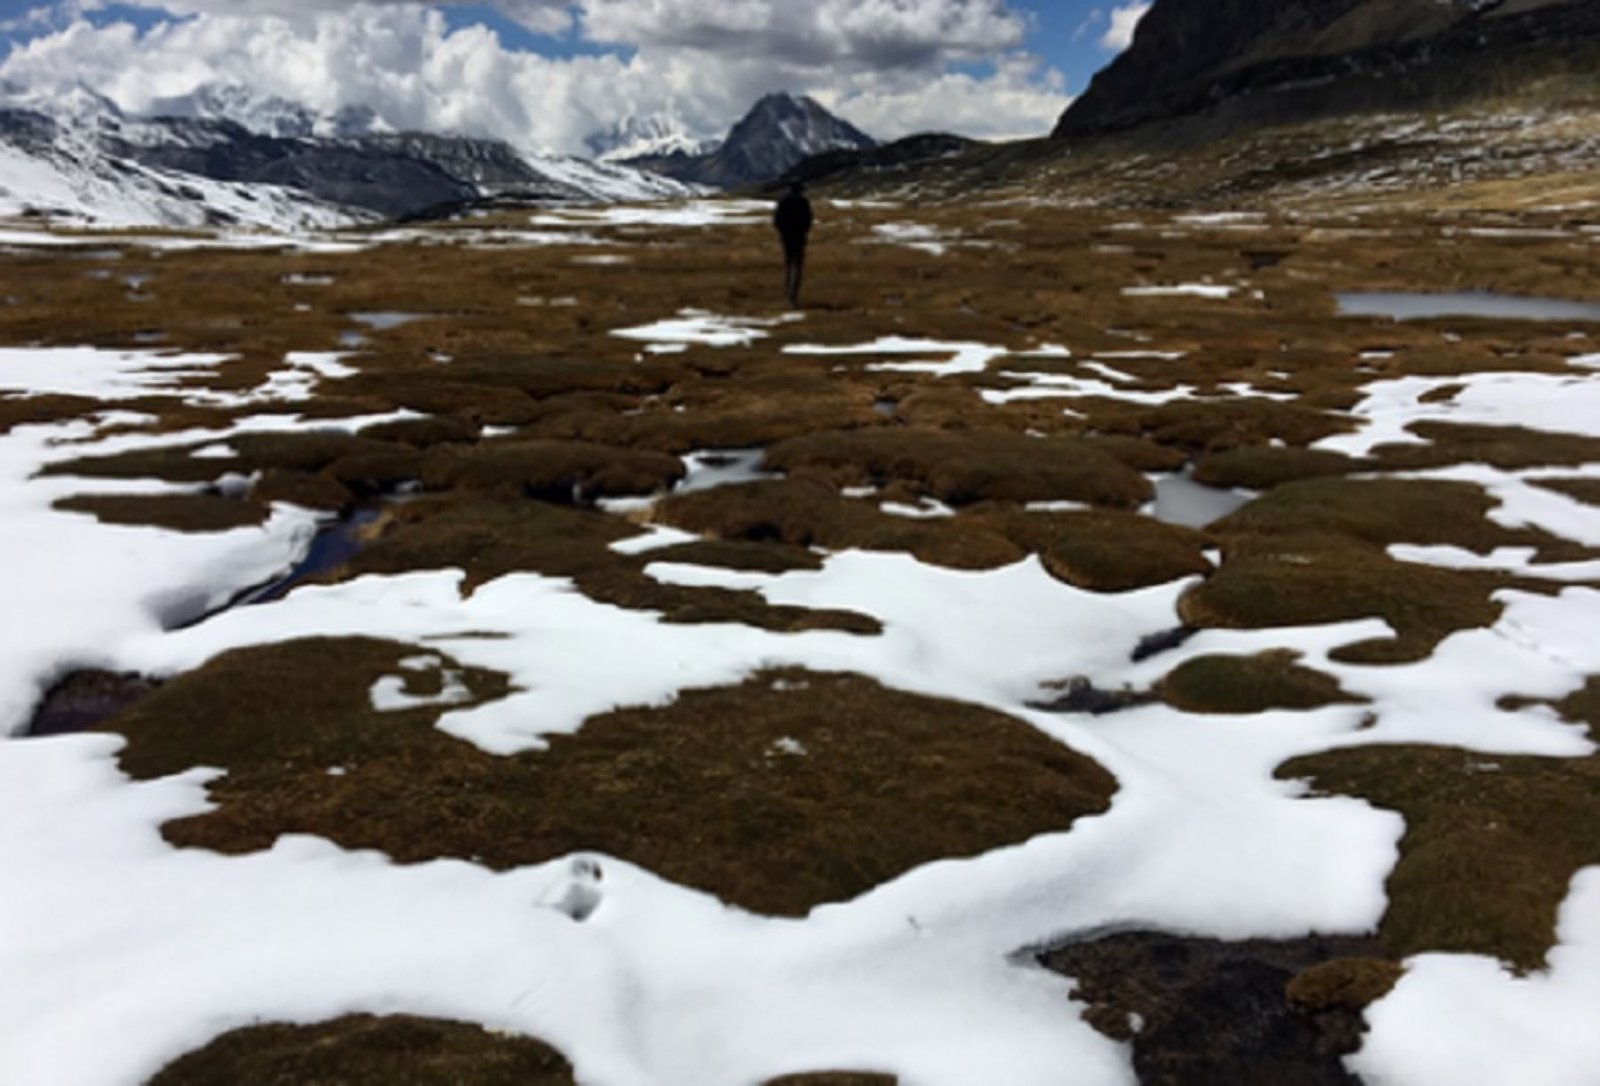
x=152 y=951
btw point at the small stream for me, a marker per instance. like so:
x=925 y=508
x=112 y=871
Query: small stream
x=81 y=700
x=335 y=544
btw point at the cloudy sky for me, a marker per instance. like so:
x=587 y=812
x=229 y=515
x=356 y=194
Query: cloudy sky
x=546 y=74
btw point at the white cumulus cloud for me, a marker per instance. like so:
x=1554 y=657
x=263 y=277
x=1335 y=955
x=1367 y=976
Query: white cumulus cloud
x=890 y=66
x=1124 y=21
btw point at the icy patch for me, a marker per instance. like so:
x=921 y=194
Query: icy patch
x=695 y=213
x=1181 y=290
x=925 y=239
x=962 y=357
x=383 y=321
x=699 y=326
x=1052 y=386
x=1464 y=1020
x=927 y=509
x=1182 y=501
x=713 y=468
x=1537 y=401
x=99 y=373
x=1518 y=560
x=1251 y=219
x=389 y=694
x=304 y=371
x=657 y=537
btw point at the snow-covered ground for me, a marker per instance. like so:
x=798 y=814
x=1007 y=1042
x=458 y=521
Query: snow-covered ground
x=87 y=187
x=118 y=952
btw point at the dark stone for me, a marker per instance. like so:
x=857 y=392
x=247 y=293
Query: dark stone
x=1215 y=1013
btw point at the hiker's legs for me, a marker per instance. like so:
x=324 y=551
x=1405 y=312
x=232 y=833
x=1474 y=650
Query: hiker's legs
x=794 y=274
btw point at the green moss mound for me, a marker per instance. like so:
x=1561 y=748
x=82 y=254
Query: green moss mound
x=175 y=512
x=551 y=470
x=362 y=1050
x=1351 y=984
x=488 y=535
x=1310 y=580
x=963 y=468
x=803 y=513
x=788 y=791
x=1248 y=684
x=1491 y=843
x=1261 y=467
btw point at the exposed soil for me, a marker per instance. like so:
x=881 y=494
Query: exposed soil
x=1201 y=1012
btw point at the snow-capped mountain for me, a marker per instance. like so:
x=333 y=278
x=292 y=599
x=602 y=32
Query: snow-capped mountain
x=638 y=137
x=779 y=132
x=266 y=115
x=58 y=161
x=225 y=156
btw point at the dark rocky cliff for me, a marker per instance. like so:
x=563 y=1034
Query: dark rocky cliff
x=1244 y=62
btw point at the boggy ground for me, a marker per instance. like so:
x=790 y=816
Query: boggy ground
x=794 y=789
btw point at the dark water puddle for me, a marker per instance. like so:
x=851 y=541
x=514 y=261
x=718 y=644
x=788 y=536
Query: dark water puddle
x=1482 y=304
x=335 y=544
x=86 y=699
x=1203 y=1012
x=383 y=321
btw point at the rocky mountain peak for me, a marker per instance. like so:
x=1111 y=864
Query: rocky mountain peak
x=779 y=131
x=1250 y=61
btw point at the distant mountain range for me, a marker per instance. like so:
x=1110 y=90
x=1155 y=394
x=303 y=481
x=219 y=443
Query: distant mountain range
x=224 y=157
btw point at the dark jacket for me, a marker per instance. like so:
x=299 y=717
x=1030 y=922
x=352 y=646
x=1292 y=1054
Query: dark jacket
x=793 y=218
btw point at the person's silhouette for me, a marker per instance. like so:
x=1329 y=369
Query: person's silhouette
x=793 y=220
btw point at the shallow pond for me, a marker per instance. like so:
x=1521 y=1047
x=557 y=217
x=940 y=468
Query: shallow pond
x=714 y=468
x=1182 y=501
x=380 y=322
x=1410 y=307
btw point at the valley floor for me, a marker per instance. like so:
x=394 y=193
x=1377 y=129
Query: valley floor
x=1078 y=647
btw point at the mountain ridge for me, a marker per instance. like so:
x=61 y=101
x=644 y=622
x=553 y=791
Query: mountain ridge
x=66 y=154
x=778 y=133
x=1241 y=63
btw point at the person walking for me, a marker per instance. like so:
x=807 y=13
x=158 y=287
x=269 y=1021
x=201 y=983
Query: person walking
x=793 y=221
